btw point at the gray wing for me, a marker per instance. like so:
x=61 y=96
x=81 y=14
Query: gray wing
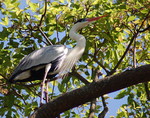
x=42 y=56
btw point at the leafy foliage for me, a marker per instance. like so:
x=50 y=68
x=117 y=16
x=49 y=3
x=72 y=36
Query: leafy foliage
x=114 y=43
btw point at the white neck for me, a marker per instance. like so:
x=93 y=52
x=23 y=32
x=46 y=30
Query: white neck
x=74 y=54
x=81 y=41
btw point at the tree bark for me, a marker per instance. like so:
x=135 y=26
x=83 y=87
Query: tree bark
x=93 y=90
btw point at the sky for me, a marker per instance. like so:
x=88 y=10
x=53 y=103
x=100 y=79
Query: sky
x=113 y=104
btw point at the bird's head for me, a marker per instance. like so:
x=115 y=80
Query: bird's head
x=84 y=22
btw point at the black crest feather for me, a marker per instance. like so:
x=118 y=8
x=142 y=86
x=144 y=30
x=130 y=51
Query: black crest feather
x=80 y=20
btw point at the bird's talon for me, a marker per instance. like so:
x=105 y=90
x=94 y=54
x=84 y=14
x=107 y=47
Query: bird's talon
x=41 y=104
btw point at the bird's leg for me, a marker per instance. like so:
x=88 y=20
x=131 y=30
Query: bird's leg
x=42 y=90
x=46 y=92
x=47 y=68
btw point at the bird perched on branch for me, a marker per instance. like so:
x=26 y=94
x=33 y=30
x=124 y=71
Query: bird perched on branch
x=49 y=61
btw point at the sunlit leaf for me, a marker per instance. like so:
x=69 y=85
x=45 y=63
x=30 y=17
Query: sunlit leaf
x=106 y=42
x=5 y=21
x=131 y=18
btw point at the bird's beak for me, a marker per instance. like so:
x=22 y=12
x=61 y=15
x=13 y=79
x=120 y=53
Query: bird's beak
x=96 y=18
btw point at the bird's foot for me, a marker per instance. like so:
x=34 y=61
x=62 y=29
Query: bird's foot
x=41 y=104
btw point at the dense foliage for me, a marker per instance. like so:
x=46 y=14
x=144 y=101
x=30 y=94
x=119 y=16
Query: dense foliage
x=114 y=43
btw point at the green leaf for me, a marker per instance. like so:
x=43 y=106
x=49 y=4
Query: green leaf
x=66 y=80
x=5 y=21
x=144 y=11
x=61 y=87
x=33 y=6
x=131 y=18
x=4 y=34
x=121 y=94
x=107 y=39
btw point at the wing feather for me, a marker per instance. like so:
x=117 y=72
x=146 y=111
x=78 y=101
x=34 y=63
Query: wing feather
x=39 y=57
x=72 y=57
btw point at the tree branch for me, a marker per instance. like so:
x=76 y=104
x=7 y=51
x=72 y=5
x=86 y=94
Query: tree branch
x=93 y=102
x=92 y=108
x=105 y=110
x=82 y=79
x=147 y=90
x=131 y=41
x=43 y=15
x=43 y=34
x=40 y=23
x=148 y=28
x=93 y=90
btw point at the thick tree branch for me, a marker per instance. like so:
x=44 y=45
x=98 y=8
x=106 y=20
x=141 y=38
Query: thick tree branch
x=93 y=90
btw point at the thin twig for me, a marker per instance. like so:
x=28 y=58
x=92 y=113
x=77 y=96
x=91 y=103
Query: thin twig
x=105 y=110
x=57 y=30
x=128 y=28
x=17 y=94
x=19 y=106
x=39 y=25
x=39 y=28
x=131 y=41
x=101 y=65
x=147 y=90
x=30 y=85
x=134 y=54
x=3 y=76
x=29 y=23
x=31 y=29
x=145 y=29
x=43 y=15
x=127 y=49
x=79 y=77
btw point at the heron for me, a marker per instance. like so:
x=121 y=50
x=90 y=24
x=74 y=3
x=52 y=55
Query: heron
x=47 y=62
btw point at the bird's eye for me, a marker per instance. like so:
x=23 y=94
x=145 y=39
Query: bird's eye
x=80 y=20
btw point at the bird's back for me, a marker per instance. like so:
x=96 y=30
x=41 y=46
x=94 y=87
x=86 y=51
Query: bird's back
x=32 y=66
